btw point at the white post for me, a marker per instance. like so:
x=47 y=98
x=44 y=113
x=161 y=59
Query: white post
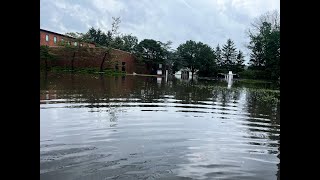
x=166 y=75
x=230 y=76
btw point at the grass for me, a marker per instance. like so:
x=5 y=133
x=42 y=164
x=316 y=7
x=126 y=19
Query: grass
x=253 y=81
x=107 y=72
x=268 y=96
x=147 y=75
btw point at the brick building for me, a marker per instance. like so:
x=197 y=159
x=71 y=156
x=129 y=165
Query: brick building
x=92 y=57
x=88 y=57
x=50 y=38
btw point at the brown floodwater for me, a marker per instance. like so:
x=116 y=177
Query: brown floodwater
x=99 y=127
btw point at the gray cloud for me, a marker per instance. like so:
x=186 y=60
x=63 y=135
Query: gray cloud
x=208 y=21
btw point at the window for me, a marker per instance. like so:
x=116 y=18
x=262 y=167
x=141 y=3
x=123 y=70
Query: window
x=61 y=39
x=160 y=66
x=116 y=66
x=123 y=66
x=47 y=37
x=75 y=43
x=81 y=44
x=55 y=39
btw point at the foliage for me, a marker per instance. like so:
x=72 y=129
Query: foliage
x=253 y=74
x=239 y=66
x=98 y=36
x=129 y=43
x=107 y=72
x=118 y=43
x=187 y=53
x=252 y=81
x=150 y=52
x=197 y=56
x=265 y=44
x=46 y=55
x=175 y=61
x=219 y=56
x=207 y=58
x=115 y=26
x=229 y=54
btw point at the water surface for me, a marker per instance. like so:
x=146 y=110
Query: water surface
x=98 y=127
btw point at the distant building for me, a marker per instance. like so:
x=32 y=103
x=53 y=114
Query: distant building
x=50 y=38
x=185 y=73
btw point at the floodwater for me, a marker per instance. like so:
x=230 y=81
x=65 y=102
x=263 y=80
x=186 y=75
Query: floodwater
x=99 y=127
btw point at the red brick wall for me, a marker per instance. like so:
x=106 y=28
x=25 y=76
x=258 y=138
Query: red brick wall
x=92 y=58
x=59 y=37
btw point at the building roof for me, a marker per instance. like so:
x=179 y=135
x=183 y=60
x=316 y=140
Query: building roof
x=63 y=35
x=56 y=33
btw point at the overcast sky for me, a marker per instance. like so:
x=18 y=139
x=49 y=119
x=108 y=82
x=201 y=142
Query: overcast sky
x=208 y=21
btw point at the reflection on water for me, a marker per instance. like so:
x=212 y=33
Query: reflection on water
x=98 y=127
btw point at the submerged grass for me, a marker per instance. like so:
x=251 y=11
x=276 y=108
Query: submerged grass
x=107 y=72
x=265 y=95
x=252 y=81
x=268 y=96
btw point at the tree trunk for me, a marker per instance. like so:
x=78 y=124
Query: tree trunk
x=46 y=77
x=72 y=61
x=103 y=60
x=46 y=63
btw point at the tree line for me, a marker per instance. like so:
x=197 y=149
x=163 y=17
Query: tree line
x=199 y=57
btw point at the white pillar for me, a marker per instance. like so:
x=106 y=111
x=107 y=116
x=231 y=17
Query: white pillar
x=230 y=76
x=166 y=75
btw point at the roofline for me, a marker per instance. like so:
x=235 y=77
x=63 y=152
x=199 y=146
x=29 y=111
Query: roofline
x=64 y=35
x=57 y=33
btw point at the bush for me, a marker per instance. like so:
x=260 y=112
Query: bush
x=253 y=74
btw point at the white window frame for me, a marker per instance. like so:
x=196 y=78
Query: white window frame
x=47 y=37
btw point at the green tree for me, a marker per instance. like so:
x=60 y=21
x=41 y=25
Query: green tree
x=151 y=53
x=79 y=37
x=207 y=58
x=72 y=34
x=265 y=44
x=187 y=51
x=129 y=43
x=109 y=38
x=219 y=56
x=229 y=54
x=239 y=62
x=167 y=53
x=46 y=55
x=175 y=61
x=118 y=43
x=115 y=26
x=197 y=56
x=273 y=61
x=257 y=55
x=110 y=35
